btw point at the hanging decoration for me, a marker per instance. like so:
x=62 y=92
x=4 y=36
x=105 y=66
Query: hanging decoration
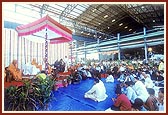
x=54 y=33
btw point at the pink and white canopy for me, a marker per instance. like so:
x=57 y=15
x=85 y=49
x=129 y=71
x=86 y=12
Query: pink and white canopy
x=56 y=32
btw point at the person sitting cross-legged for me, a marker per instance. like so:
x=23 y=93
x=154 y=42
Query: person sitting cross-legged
x=121 y=103
x=97 y=92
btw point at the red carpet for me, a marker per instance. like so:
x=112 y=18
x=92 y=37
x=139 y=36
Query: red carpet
x=19 y=83
x=64 y=73
x=13 y=83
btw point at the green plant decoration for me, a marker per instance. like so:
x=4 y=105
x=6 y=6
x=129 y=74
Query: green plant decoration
x=33 y=95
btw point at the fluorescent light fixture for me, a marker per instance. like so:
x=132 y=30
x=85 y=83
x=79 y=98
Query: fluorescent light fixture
x=126 y=27
x=113 y=20
x=105 y=16
x=120 y=24
x=94 y=10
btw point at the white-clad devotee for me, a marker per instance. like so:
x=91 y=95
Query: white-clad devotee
x=30 y=69
x=27 y=69
x=88 y=74
x=97 y=92
x=130 y=93
x=110 y=77
x=98 y=68
x=121 y=68
x=148 y=82
x=140 y=90
x=161 y=65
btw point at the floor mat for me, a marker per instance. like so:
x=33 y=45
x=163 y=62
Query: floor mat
x=71 y=98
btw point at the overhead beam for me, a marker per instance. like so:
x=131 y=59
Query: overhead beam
x=79 y=38
x=125 y=9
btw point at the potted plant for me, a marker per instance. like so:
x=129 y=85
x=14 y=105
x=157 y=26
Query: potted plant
x=33 y=95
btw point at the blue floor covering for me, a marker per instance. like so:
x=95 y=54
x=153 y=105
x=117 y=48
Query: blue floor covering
x=71 y=98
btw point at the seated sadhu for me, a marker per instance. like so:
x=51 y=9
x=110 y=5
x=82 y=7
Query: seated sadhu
x=15 y=71
x=36 y=64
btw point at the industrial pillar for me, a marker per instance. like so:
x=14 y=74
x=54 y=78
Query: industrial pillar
x=145 y=45
x=76 y=46
x=85 y=52
x=118 y=40
x=98 y=50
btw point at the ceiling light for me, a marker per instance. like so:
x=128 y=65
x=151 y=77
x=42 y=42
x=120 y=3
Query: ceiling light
x=113 y=20
x=121 y=24
x=130 y=29
x=99 y=23
x=126 y=27
x=153 y=20
x=105 y=16
x=108 y=27
x=94 y=10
